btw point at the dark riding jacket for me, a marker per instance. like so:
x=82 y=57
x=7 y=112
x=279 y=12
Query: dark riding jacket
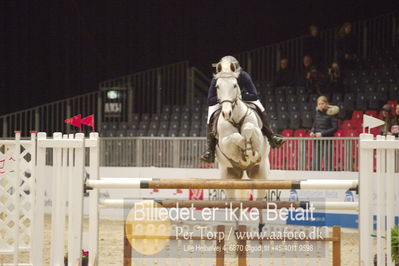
x=248 y=90
x=326 y=124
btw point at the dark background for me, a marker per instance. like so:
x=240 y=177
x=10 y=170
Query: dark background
x=50 y=50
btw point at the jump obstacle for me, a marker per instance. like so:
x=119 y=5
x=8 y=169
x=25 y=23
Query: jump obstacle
x=23 y=182
x=221 y=184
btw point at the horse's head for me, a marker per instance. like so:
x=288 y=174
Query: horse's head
x=228 y=94
x=227 y=89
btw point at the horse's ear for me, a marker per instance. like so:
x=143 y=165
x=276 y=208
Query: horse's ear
x=218 y=67
x=232 y=67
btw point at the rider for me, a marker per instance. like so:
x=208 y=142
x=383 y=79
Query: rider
x=250 y=95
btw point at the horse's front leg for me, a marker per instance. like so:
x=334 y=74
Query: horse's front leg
x=260 y=171
x=253 y=139
x=235 y=139
x=231 y=174
x=233 y=145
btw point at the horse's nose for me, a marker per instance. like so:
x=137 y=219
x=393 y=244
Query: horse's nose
x=226 y=115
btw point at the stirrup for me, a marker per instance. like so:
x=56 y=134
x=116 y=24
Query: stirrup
x=276 y=141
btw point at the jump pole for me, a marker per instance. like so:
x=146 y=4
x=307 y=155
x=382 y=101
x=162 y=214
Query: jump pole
x=198 y=183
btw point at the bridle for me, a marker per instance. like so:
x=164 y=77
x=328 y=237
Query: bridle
x=233 y=105
x=232 y=102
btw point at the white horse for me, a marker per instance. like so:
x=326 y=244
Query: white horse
x=241 y=144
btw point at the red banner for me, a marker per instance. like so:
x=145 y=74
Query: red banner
x=88 y=121
x=75 y=121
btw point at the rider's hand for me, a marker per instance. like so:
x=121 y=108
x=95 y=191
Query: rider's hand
x=318 y=135
x=311 y=134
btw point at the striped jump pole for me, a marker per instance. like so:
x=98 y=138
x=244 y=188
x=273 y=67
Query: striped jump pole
x=197 y=183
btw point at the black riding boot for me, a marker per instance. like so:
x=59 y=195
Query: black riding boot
x=209 y=155
x=276 y=141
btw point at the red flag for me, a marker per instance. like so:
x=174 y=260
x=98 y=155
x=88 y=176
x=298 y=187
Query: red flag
x=88 y=121
x=75 y=121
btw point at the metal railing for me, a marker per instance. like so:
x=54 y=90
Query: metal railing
x=49 y=117
x=175 y=84
x=302 y=154
x=297 y=154
x=316 y=154
x=147 y=152
x=117 y=100
x=166 y=85
x=370 y=35
x=198 y=84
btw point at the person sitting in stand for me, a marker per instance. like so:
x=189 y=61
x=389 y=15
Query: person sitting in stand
x=318 y=82
x=284 y=76
x=313 y=46
x=335 y=83
x=304 y=75
x=346 y=46
x=387 y=118
x=395 y=122
x=249 y=94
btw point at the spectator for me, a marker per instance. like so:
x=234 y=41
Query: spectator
x=386 y=111
x=304 y=74
x=324 y=125
x=395 y=119
x=284 y=77
x=313 y=46
x=395 y=122
x=318 y=82
x=346 y=46
x=335 y=79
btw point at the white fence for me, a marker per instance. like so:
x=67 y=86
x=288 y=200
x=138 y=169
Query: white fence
x=17 y=196
x=384 y=200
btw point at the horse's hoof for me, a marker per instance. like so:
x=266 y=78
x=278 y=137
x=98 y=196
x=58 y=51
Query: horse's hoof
x=260 y=228
x=236 y=234
x=253 y=156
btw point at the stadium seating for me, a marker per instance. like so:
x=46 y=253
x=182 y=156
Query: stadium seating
x=357 y=115
x=368 y=86
x=372 y=113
